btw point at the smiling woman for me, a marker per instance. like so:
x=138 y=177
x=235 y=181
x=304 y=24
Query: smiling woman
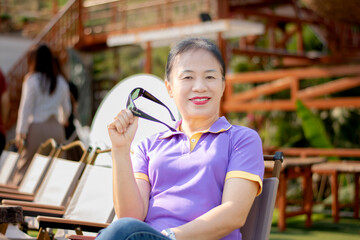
x=197 y=182
x=197 y=86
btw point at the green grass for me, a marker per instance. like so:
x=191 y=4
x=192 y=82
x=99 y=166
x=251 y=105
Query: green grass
x=32 y=233
x=323 y=228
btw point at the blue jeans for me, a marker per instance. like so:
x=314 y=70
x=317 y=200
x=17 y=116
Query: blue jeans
x=130 y=229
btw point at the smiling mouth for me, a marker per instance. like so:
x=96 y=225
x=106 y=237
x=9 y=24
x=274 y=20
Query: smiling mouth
x=199 y=99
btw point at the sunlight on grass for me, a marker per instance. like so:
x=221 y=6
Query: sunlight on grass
x=323 y=228
x=32 y=233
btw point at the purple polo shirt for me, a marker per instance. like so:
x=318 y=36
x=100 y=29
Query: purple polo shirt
x=187 y=176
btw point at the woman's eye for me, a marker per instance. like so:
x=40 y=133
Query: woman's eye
x=187 y=77
x=210 y=77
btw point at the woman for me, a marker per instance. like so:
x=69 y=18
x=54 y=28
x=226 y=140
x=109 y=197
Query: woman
x=44 y=107
x=198 y=182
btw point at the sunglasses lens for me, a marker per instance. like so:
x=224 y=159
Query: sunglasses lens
x=130 y=106
x=135 y=94
x=139 y=92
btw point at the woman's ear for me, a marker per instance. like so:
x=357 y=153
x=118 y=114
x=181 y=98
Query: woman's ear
x=168 y=88
x=223 y=87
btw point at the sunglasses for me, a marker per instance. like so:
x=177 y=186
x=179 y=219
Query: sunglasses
x=140 y=92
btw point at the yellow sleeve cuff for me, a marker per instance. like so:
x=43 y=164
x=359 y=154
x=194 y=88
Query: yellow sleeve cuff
x=141 y=176
x=246 y=175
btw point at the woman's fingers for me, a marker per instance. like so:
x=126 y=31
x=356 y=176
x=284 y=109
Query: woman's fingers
x=122 y=121
x=123 y=129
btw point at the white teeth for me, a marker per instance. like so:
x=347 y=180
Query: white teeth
x=200 y=99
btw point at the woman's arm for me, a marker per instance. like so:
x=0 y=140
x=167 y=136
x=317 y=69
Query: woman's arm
x=220 y=221
x=131 y=196
x=26 y=108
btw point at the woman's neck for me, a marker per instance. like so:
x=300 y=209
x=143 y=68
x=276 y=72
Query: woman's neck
x=192 y=126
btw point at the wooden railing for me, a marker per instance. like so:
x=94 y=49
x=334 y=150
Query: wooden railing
x=315 y=152
x=123 y=16
x=263 y=84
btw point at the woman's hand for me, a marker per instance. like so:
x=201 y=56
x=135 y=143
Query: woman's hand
x=20 y=140
x=122 y=130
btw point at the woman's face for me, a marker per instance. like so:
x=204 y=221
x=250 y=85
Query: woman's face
x=196 y=84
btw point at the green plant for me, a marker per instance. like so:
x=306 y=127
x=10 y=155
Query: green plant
x=26 y=19
x=313 y=127
x=5 y=16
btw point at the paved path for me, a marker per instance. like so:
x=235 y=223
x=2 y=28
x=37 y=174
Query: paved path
x=12 y=47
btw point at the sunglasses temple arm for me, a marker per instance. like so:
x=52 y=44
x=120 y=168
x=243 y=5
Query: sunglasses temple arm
x=171 y=128
x=148 y=117
x=154 y=99
x=155 y=120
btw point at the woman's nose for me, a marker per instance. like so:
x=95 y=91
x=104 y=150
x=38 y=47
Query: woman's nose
x=199 y=85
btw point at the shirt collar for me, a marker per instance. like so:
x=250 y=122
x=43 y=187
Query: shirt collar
x=221 y=125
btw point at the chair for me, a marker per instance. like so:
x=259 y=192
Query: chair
x=36 y=171
x=56 y=187
x=94 y=189
x=258 y=222
x=8 y=162
x=58 y=183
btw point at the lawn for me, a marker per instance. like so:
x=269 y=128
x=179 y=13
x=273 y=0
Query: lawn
x=323 y=228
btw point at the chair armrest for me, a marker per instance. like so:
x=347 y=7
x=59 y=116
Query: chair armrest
x=22 y=196
x=52 y=222
x=34 y=212
x=35 y=209
x=14 y=191
x=8 y=186
x=31 y=204
x=11 y=190
x=80 y=237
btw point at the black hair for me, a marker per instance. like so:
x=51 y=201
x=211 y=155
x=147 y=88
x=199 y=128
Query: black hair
x=41 y=60
x=192 y=44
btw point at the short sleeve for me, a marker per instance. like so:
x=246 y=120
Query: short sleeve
x=246 y=156
x=27 y=103
x=140 y=162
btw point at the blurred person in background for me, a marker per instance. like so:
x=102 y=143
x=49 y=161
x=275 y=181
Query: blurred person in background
x=44 y=107
x=4 y=109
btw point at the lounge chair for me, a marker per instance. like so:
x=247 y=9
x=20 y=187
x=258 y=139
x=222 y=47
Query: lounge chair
x=57 y=186
x=36 y=171
x=90 y=208
x=8 y=162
